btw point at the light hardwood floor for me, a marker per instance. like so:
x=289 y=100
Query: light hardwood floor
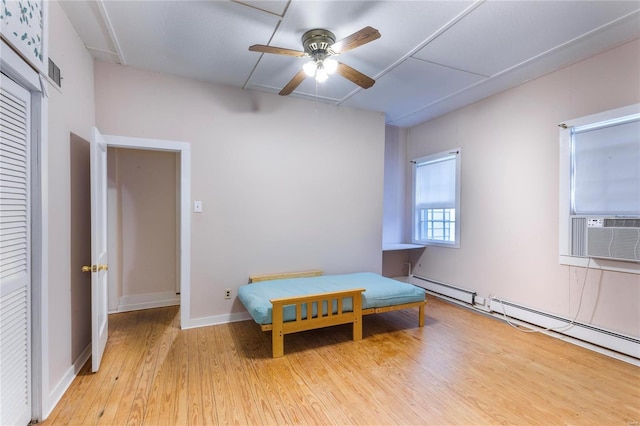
x=461 y=368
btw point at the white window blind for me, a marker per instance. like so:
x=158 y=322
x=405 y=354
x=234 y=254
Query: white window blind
x=436 y=199
x=606 y=169
x=436 y=183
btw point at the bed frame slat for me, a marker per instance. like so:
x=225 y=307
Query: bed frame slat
x=321 y=319
x=284 y=275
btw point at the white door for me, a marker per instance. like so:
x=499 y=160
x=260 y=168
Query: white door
x=99 y=259
x=15 y=254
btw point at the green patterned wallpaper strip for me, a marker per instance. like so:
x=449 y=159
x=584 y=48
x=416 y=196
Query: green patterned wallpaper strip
x=21 y=23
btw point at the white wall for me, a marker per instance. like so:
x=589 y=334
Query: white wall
x=286 y=184
x=71 y=110
x=395 y=169
x=509 y=200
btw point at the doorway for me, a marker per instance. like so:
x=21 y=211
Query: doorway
x=143 y=196
x=181 y=152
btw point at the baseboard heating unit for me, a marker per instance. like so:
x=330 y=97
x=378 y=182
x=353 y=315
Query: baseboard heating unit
x=607 y=339
x=499 y=308
x=447 y=290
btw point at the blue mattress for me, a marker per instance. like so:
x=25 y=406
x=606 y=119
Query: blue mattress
x=380 y=292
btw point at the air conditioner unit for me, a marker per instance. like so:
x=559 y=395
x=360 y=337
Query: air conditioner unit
x=612 y=238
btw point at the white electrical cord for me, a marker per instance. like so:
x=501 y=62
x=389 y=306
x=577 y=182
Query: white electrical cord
x=562 y=328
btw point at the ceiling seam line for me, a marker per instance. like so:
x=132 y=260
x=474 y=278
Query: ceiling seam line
x=523 y=63
x=275 y=30
x=112 y=34
x=460 y=16
x=99 y=49
x=450 y=67
x=268 y=12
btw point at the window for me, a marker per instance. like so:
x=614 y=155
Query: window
x=599 y=179
x=436 y=199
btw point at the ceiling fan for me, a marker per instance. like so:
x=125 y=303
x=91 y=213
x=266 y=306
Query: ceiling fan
x=319 y=45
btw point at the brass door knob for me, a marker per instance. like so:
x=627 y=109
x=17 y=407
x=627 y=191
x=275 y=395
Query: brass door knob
x=95 y=268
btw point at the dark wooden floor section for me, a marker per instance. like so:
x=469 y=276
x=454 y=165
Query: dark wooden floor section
x=462 y=368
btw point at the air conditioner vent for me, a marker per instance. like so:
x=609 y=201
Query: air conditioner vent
x=620 y=243
x=621 y=223
x=578 y=236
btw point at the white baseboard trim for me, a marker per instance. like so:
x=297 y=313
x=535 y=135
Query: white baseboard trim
x=137 y=302
x=217 y=319
x=618 y=342
x=585 y=335
x=484 y=310
x=58 y=391
x=447 y=290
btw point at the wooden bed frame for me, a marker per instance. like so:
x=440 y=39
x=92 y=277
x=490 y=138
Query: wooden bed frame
x=279 y=328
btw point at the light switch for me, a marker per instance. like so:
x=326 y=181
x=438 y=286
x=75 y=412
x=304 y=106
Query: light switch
x=197 y=206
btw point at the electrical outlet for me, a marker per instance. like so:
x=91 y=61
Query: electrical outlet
x=227 y=293
x=477 y=300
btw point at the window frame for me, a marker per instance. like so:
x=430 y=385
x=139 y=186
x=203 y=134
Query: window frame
x=566 y=201
x=415 y=212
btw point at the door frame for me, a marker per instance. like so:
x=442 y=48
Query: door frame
x=183 y=149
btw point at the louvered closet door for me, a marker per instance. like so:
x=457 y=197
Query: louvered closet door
x=15 y=254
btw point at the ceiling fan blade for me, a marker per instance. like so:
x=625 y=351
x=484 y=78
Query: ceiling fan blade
x=295 y=82
x=356 y=39
x=277 y=50
x=354 y=75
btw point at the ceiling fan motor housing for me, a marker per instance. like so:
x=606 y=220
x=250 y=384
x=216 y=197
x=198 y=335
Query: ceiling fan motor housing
x=317 y=42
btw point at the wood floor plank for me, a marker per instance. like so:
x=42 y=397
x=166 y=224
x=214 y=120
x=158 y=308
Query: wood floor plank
x=156 y=401
x=227 y=386
x=193 y=383
x=135 y=413
x=461 y=368
x=236 y=385
x=205 y=347
x=90 y=406
x=180 y=364
x=313 y=370
x=122 y=394
x=248 y=343
x=86 y=382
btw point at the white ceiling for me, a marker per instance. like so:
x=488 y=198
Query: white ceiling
x=433 y=56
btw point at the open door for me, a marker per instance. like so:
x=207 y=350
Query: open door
x=99 y=259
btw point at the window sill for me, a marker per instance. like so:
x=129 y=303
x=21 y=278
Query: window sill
x=437 y=244
x=401 y=246
x=603 y=264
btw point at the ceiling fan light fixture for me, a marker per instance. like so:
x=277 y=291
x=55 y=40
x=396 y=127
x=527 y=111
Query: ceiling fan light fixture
x=330 y=65
x=310 y=68
x=321 y=74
